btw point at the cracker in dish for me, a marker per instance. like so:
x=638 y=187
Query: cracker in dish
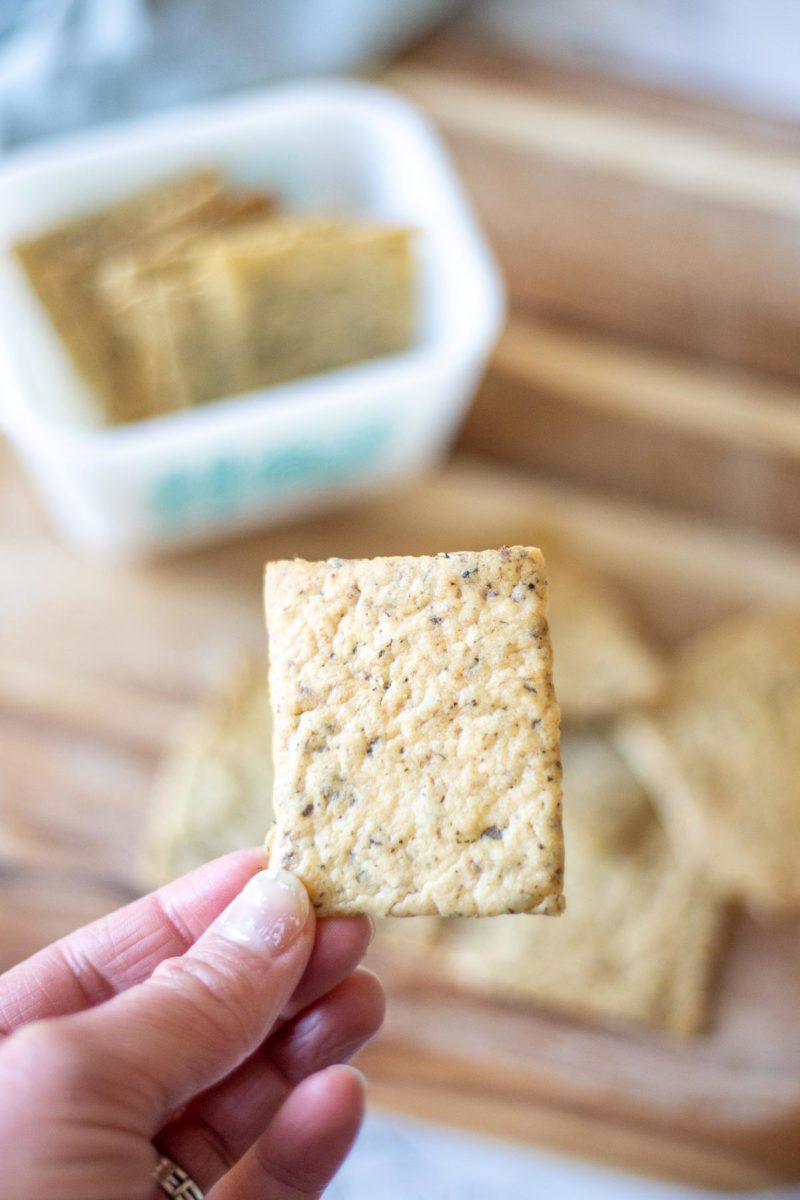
x=184 y=332
x=315 y=294
x=69 y=268
x=252 y=303
x=416 y=742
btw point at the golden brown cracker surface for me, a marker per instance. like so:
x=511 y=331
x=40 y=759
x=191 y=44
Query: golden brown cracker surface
x=416 y=742
x=87 y=274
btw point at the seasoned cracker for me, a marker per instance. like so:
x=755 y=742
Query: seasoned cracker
x=416 y=742
x=642 y=929
x=602 y=664
x=722 y=754
x=214 y=793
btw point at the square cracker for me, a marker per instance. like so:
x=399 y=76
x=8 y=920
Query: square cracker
x=315 y=294
x=416 y=734
x=721 y=754
x=643 y=928
x=608 y=807
x=183 y=331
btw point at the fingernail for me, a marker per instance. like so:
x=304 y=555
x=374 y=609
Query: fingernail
x=269 y=914
x=353 y=1072
x=357 y=1075
x=372 y=930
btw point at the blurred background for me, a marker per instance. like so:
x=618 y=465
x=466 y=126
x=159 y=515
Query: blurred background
x=635 y=170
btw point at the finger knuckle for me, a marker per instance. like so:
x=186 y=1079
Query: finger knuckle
x=219 y=1001
x=51 y=1055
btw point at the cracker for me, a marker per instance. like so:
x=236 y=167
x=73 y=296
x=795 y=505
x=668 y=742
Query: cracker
x=254 y=303
x=185 y=335
x=67 y=268
x=214 y=793
x=317 y=294
x=642 y=929
x=146 y=214
x=416 y=740
x=722 y=754
x=602 y=664
x=61 y=264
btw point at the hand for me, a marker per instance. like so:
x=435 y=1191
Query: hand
x=175 y=1027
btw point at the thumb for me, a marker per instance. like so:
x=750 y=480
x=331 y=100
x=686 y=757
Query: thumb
x=199 y=1016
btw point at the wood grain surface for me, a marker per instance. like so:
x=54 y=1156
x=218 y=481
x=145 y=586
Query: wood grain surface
x=622 y=215
x=100 y=667
x=642 y=424
x=650 y=246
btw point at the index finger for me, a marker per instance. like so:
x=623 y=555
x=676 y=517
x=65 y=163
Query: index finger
x=124 y=948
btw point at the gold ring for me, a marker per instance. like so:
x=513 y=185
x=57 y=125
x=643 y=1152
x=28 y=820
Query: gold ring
x=175 y=1182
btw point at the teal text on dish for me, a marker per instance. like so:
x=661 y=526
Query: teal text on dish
x=229 y=483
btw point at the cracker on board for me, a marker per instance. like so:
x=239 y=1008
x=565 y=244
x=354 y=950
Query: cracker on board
x=214 y=793
x=722 y=755
x=608 y=807
x=416 y=742
x=602 y=664
x=642 y=929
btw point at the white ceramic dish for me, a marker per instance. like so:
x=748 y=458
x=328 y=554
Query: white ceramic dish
x=268 y=455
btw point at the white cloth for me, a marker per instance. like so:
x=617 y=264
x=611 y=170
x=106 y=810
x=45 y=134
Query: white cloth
x=405 y=1160
x=69 y=63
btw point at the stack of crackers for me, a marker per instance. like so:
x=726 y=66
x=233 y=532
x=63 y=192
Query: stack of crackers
x=681 y=778
x=197 y=289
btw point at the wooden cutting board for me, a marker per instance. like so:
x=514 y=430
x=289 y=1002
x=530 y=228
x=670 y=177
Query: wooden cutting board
x=99 y=667
x=649 y=243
